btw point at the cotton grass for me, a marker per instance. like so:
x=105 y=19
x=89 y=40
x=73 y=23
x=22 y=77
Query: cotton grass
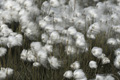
x=59 y=39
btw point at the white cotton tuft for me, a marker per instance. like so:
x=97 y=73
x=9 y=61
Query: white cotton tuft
x=6 y=31
x=79 y=35
x=54 y=3
x=20 y=1
x=92 y=36
x=2 y=51
x=8 y=71
x=118 y=40
x=2 y=75
x=19 y=38
x=109 y=77
x=28 y=3
x=42 y=23
x=117 y=52
x=97 y=51
x=72 y=31
x=55 y=36
x=112 y=41
x=36 y=46
x=68 y=74
x=13 y=41
x=105 y=60
x=70 y=50
x=94 y=29
x=23 y=55
x=49 y=28
x=28 y=32
x=117 y=62
x=100 y=77
x=116 y=28
x=93 y=13
x=3 y=40
x=36 y=64
x=79 y=74
x=75 y=65
x=92 y=64
x=44 y=37
x=42 y=57
x=48 y=48
x=54 y=62
x=31 y=57
x=80 y=42
x=33 y=10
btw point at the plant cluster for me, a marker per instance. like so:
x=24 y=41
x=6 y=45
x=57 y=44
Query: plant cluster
x=78 y=37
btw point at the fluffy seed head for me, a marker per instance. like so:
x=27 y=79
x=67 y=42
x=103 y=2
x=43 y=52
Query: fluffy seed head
x=92 y=64
x=79 y=74
x=2 y=51
x=75 y=65
x=54 y=62
x=68 y=74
